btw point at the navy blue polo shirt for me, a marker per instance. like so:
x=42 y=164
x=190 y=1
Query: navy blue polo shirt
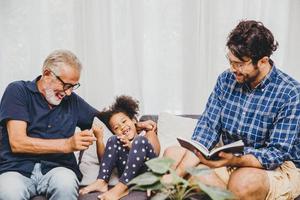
x=22 y=101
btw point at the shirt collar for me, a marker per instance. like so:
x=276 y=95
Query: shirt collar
x=32 y=85
x=271 y=75
x=264 y=83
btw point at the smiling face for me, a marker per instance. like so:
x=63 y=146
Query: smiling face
x=244 y=71
x=121 y=124
x=53 y=82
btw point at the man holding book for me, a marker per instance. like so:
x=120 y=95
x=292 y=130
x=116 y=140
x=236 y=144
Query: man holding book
x=257 y=103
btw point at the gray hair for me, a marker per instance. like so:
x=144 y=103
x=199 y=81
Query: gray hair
x=58 y=57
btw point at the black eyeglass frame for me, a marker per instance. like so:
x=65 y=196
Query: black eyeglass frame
x=238 y=65
x=66 y=86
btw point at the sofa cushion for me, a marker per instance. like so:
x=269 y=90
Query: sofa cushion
x=171 y=126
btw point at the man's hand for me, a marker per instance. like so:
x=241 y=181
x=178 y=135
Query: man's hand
x=148 y=125
x=124 y=139
x=226 y=159
x=81 y=140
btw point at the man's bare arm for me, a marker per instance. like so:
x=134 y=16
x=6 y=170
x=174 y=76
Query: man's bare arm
x=20 y=142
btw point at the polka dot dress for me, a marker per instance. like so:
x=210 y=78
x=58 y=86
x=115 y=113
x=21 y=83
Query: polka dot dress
x=129 y=162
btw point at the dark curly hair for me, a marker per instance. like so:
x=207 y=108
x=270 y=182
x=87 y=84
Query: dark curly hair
x=253 y=40
x=123 y=104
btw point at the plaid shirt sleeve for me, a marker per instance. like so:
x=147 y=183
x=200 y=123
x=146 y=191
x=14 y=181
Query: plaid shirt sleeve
x=282 y=137
x=207 y=129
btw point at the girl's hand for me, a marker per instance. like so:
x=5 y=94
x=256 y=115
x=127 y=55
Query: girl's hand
x=148 y=125
x=124 y=139
x=98 y=132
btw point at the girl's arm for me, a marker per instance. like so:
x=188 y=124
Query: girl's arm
x=153 y=139
x=148 y=125
x=98 y=132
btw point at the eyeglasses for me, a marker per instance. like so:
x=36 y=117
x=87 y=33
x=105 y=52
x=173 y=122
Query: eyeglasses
x=66 y=86
x=238 y=65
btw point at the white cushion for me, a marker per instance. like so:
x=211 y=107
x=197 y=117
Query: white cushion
x=170 y=127
x=89 y=165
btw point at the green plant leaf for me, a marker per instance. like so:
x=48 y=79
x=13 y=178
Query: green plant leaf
x=216 y=193
x=138 y=187
x=153 y=187
x=147 y=178
x=191 y=192
x=178 y=180
x=160 y=165
x=156 y=186
x=176 y=188
x=160 y=196
x=195 y=171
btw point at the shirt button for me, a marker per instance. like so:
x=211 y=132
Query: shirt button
x=49 y=126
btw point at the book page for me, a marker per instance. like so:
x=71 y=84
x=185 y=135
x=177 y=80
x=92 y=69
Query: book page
x=235 y=147
x=193 y=145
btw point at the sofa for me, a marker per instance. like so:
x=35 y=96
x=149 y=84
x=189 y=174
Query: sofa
x=88 y=161
x=169 y=127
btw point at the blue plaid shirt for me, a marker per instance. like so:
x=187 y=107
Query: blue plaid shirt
x=266 y=118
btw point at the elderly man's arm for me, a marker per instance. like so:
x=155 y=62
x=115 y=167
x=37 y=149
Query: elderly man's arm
x=21 y=143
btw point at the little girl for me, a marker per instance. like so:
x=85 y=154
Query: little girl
x=126 y=149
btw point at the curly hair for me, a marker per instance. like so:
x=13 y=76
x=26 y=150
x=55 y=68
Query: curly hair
x=251 y=39
x=123 y=104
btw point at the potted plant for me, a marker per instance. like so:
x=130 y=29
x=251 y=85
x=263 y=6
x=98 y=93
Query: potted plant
x=175 y=187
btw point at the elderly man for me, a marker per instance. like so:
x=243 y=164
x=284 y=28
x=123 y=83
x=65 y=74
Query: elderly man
x=39 y=118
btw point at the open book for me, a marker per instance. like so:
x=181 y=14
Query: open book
x=236 y=148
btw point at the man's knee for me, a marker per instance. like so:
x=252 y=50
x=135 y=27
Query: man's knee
x=249 y=182
x=62 y=183
x=174 y=151
x=14 y=185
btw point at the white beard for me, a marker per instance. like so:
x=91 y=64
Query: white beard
x=51 y=97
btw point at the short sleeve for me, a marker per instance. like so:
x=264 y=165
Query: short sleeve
x=86 y=114
x=14 y=103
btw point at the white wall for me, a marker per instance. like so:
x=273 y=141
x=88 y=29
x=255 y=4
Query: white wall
x=166 y=53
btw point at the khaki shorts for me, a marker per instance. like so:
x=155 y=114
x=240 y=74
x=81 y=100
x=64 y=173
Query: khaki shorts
x=284 y=181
